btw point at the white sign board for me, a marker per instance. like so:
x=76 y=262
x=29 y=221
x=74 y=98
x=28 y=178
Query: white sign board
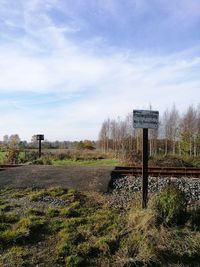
x=145 y=119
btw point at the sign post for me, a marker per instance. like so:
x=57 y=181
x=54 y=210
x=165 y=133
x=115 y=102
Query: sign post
x=40 y=137
x=145 y=168
x=145 y=119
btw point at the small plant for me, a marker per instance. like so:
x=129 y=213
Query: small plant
x=8 y=217
x=74 y=261
x=35 y=196
x=69 y=212
x=23 y=230
x=13 y=154
x=194 y=220
x=44 y=160
x=171 y=206
x=56 y=191
x=18 y=195
x=34 y=211
x=51 y=212
x=14 y=257
x=5 y=207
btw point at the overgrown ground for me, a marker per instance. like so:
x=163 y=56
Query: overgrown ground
x=59 y=227
x=59 y=157
x=93 y=162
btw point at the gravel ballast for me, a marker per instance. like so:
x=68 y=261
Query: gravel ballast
x=124 y=188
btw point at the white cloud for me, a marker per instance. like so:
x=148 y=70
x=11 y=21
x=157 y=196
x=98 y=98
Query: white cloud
x=45 y=60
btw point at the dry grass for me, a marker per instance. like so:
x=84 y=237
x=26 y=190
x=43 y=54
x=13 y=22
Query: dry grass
x=87 y=231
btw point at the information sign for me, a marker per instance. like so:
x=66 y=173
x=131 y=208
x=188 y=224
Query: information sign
x=145 y=119
x=40 y=137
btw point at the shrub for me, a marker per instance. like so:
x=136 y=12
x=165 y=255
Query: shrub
x=171 y=206
x=42 y=161
x=194 y=220
x=12 y=156
x=31 y=155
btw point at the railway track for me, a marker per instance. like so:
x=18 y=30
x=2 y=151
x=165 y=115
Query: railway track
x=120 y=171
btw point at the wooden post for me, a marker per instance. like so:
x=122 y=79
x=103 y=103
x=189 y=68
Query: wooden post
x=40 y=137
x=40 y=146
x=145 y=169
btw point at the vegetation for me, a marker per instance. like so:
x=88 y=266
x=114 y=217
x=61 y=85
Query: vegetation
x=60 y=227
x=59 y=157
x=177 y=135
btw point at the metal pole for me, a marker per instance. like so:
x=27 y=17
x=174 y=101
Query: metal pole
x=40 y=147
x=145 y=169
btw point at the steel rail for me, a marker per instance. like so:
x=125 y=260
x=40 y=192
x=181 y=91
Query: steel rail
x=157 y=171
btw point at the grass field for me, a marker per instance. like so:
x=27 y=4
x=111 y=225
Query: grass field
x=60 y=227
x=2 y=157
x=70 y=158
x=95 y=163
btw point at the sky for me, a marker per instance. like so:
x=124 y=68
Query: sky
x=67 y=65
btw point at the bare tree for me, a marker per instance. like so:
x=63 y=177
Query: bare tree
x=171 y=126
x=189 y=131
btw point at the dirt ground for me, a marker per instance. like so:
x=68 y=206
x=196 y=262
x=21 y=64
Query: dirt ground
x=79 y=178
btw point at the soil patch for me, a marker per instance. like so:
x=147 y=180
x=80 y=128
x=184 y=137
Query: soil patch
x=79 y=178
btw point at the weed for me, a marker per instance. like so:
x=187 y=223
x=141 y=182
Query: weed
x=194 y=220
x=56 y=191
x=35 y=196
x=89 y=232
x=17 y=195
x=52 y=212
x=73 y=261
x=171 y=206
x=44 y=160
x=142 y=219
x=54 y=226
x=8 y=217
x=71 y=192
x=34 y=211
x=5 y=207
x=24 y=229
x=14 y=257
x=71 y=211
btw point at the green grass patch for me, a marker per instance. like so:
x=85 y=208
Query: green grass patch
x=2 y=157
x=86 y=231
x=95 y=163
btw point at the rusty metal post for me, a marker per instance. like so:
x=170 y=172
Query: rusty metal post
x=145 y=168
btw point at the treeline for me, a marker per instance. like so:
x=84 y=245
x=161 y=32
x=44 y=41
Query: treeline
x=15 y=140
x=178 y=134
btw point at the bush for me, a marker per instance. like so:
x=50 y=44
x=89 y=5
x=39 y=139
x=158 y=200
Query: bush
x=171 y=206
x=12 y=156
x=194 y=220
x=42 y=161
x=31 y=155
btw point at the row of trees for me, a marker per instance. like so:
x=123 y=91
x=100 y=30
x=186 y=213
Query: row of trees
x=15 y=140
x=178 y=134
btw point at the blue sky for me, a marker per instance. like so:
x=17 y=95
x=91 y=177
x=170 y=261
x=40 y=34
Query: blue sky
x=66 y=65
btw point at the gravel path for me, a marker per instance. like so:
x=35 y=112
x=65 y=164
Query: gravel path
x=80 y=178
